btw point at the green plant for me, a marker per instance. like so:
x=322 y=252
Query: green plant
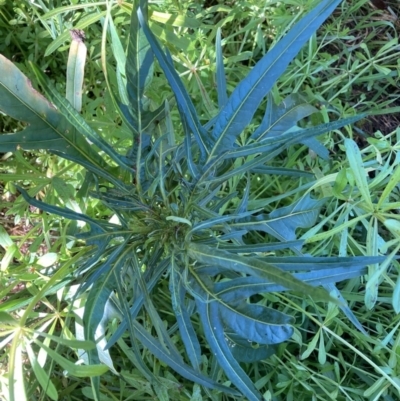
x=184 y=213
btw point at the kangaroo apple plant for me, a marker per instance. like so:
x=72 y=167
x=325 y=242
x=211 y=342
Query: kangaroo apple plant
x=183 y=216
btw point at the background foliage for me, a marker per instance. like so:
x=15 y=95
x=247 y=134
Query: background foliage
x=350 y=65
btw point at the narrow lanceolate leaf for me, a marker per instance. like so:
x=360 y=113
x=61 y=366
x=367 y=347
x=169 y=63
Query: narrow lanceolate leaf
x=186 y=328
x=155 y=347
x=214 y=333
x=75 y=69
x=95 y=309
x=245 y=99
x=138 y=69
x=186 y=108
x=48 y=128
x=254 y=267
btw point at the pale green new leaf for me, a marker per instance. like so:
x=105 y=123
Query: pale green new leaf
x=75 y=69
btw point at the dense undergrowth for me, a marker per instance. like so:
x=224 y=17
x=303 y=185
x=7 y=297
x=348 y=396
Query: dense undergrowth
x=349 y=66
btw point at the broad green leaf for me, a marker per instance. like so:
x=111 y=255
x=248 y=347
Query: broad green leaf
x=16 y=382
x=7 y=320
x=244 y=351
x=5 y=239
x=244 y=287
x=396 y=296
x=259 y=248
x=393 y=182
x=75 y=69
x=138 y=70
x=311 y=346
x=291 y=137
x=257 y=323
x=48 y=259
x=248 y=94
x=154 y=346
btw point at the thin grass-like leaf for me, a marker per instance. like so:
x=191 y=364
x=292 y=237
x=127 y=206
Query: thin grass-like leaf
x=357 y=168
x=221 y=78
x=72 y=368
x=41 y=375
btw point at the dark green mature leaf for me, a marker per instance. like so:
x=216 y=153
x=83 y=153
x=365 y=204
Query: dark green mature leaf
x=279 y=118
x=93 y=316
x=139 y=69
x=244 y=350
x=214 y=332
x=283 y=117
x=257 y=323
x=283 y=222
x=156 y=348
x=244 y=287
x=254 y=267
x=186 y=329
x=291 y=137
x=247 y=96
x=185 y=105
